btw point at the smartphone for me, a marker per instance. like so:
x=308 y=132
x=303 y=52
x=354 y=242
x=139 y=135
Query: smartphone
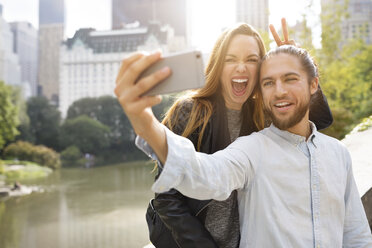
x=187 y=72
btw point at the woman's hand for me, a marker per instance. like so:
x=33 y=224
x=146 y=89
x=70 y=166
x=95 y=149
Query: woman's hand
x=129 y=91
x=277 y=39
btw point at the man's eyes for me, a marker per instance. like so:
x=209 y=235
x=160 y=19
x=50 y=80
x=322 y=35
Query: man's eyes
x=290 y=79
x=267 y=83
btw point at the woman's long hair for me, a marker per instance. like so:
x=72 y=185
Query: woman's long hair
x=202 y=98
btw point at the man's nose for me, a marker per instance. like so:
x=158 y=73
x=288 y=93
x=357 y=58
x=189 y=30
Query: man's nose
x=280 y=89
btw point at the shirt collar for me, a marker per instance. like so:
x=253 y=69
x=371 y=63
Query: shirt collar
x=295 y=138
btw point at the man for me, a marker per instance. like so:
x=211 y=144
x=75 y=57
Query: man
x=295 y=185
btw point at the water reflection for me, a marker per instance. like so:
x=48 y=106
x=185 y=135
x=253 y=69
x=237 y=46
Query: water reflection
x=97 y=207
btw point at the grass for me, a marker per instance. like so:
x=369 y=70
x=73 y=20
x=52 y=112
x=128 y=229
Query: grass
x=29 y=171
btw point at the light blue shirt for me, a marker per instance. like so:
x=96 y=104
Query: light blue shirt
x=291 y=192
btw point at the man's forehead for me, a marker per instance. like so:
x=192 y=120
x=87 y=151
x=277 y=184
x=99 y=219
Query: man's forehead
x=280 y=64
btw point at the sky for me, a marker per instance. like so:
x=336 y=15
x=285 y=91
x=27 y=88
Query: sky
x=97 y=14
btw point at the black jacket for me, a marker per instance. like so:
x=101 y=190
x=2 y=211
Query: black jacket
x=183 y=216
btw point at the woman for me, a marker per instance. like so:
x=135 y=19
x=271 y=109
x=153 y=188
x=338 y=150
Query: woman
x=213 y=117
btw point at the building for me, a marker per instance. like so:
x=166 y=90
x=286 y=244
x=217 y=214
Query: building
x=51 y=12
x=358 y=23
x=91 y=59
x=25 y=46
x=51 y=33
x=10 y=71
x=171 y=12
x=253 y=12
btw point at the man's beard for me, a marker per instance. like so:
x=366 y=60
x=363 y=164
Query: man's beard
x=290 y=121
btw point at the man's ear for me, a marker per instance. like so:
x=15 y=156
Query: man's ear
x=314 y=85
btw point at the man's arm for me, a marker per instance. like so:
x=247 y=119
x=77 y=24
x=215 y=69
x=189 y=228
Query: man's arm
x=202 y=176
x=356 y=229
x=129 y=92
x=194 y=174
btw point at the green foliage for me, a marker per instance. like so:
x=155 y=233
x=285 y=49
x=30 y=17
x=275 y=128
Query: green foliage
x=333 y=12
x=44 y=123
x=342 y=123
x=39 y=154
x=30 y=171
x=71 y=155
x=266 y=39
x=364 y=125
x=2 y=167
x=8 y=115
x=106 y=110
x=89 y=135
x=346 y=71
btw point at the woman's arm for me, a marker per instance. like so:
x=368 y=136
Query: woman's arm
x=187 y=230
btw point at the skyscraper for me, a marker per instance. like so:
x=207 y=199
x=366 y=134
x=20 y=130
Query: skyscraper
x=51 y=12
x=25 y=46
x=172 y=12
x=51 y=32
x=10 y=71
x=359 y=22
x=253 y=12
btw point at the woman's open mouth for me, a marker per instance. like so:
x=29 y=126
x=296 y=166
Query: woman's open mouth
x=239 y=86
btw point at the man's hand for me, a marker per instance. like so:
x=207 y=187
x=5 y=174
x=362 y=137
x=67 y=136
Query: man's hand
x=277 y=39
x=129 y=91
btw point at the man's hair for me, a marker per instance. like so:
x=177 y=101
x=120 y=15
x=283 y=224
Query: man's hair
x=307 y=62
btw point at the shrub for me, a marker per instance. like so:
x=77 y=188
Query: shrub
x=2 y=168
x=39 y=154
x=71 y=155
x=342 y=123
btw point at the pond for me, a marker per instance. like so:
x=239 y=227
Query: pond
x=77 y=207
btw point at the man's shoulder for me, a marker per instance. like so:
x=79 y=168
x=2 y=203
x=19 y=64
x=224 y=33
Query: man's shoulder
x=329 y=144
x=330 y=141
x=253 y=138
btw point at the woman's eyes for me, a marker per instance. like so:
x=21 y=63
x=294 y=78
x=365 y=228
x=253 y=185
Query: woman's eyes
x=254 y=60
x=251 y=60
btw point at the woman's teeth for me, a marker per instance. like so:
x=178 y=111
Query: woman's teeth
x=240 y=80
x=239 y=85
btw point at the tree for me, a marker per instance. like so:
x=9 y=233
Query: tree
x=8 y=115
x=24 y=125
x=89 y=135
x=333 y=13
x=44 y=122
x=106 y=110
